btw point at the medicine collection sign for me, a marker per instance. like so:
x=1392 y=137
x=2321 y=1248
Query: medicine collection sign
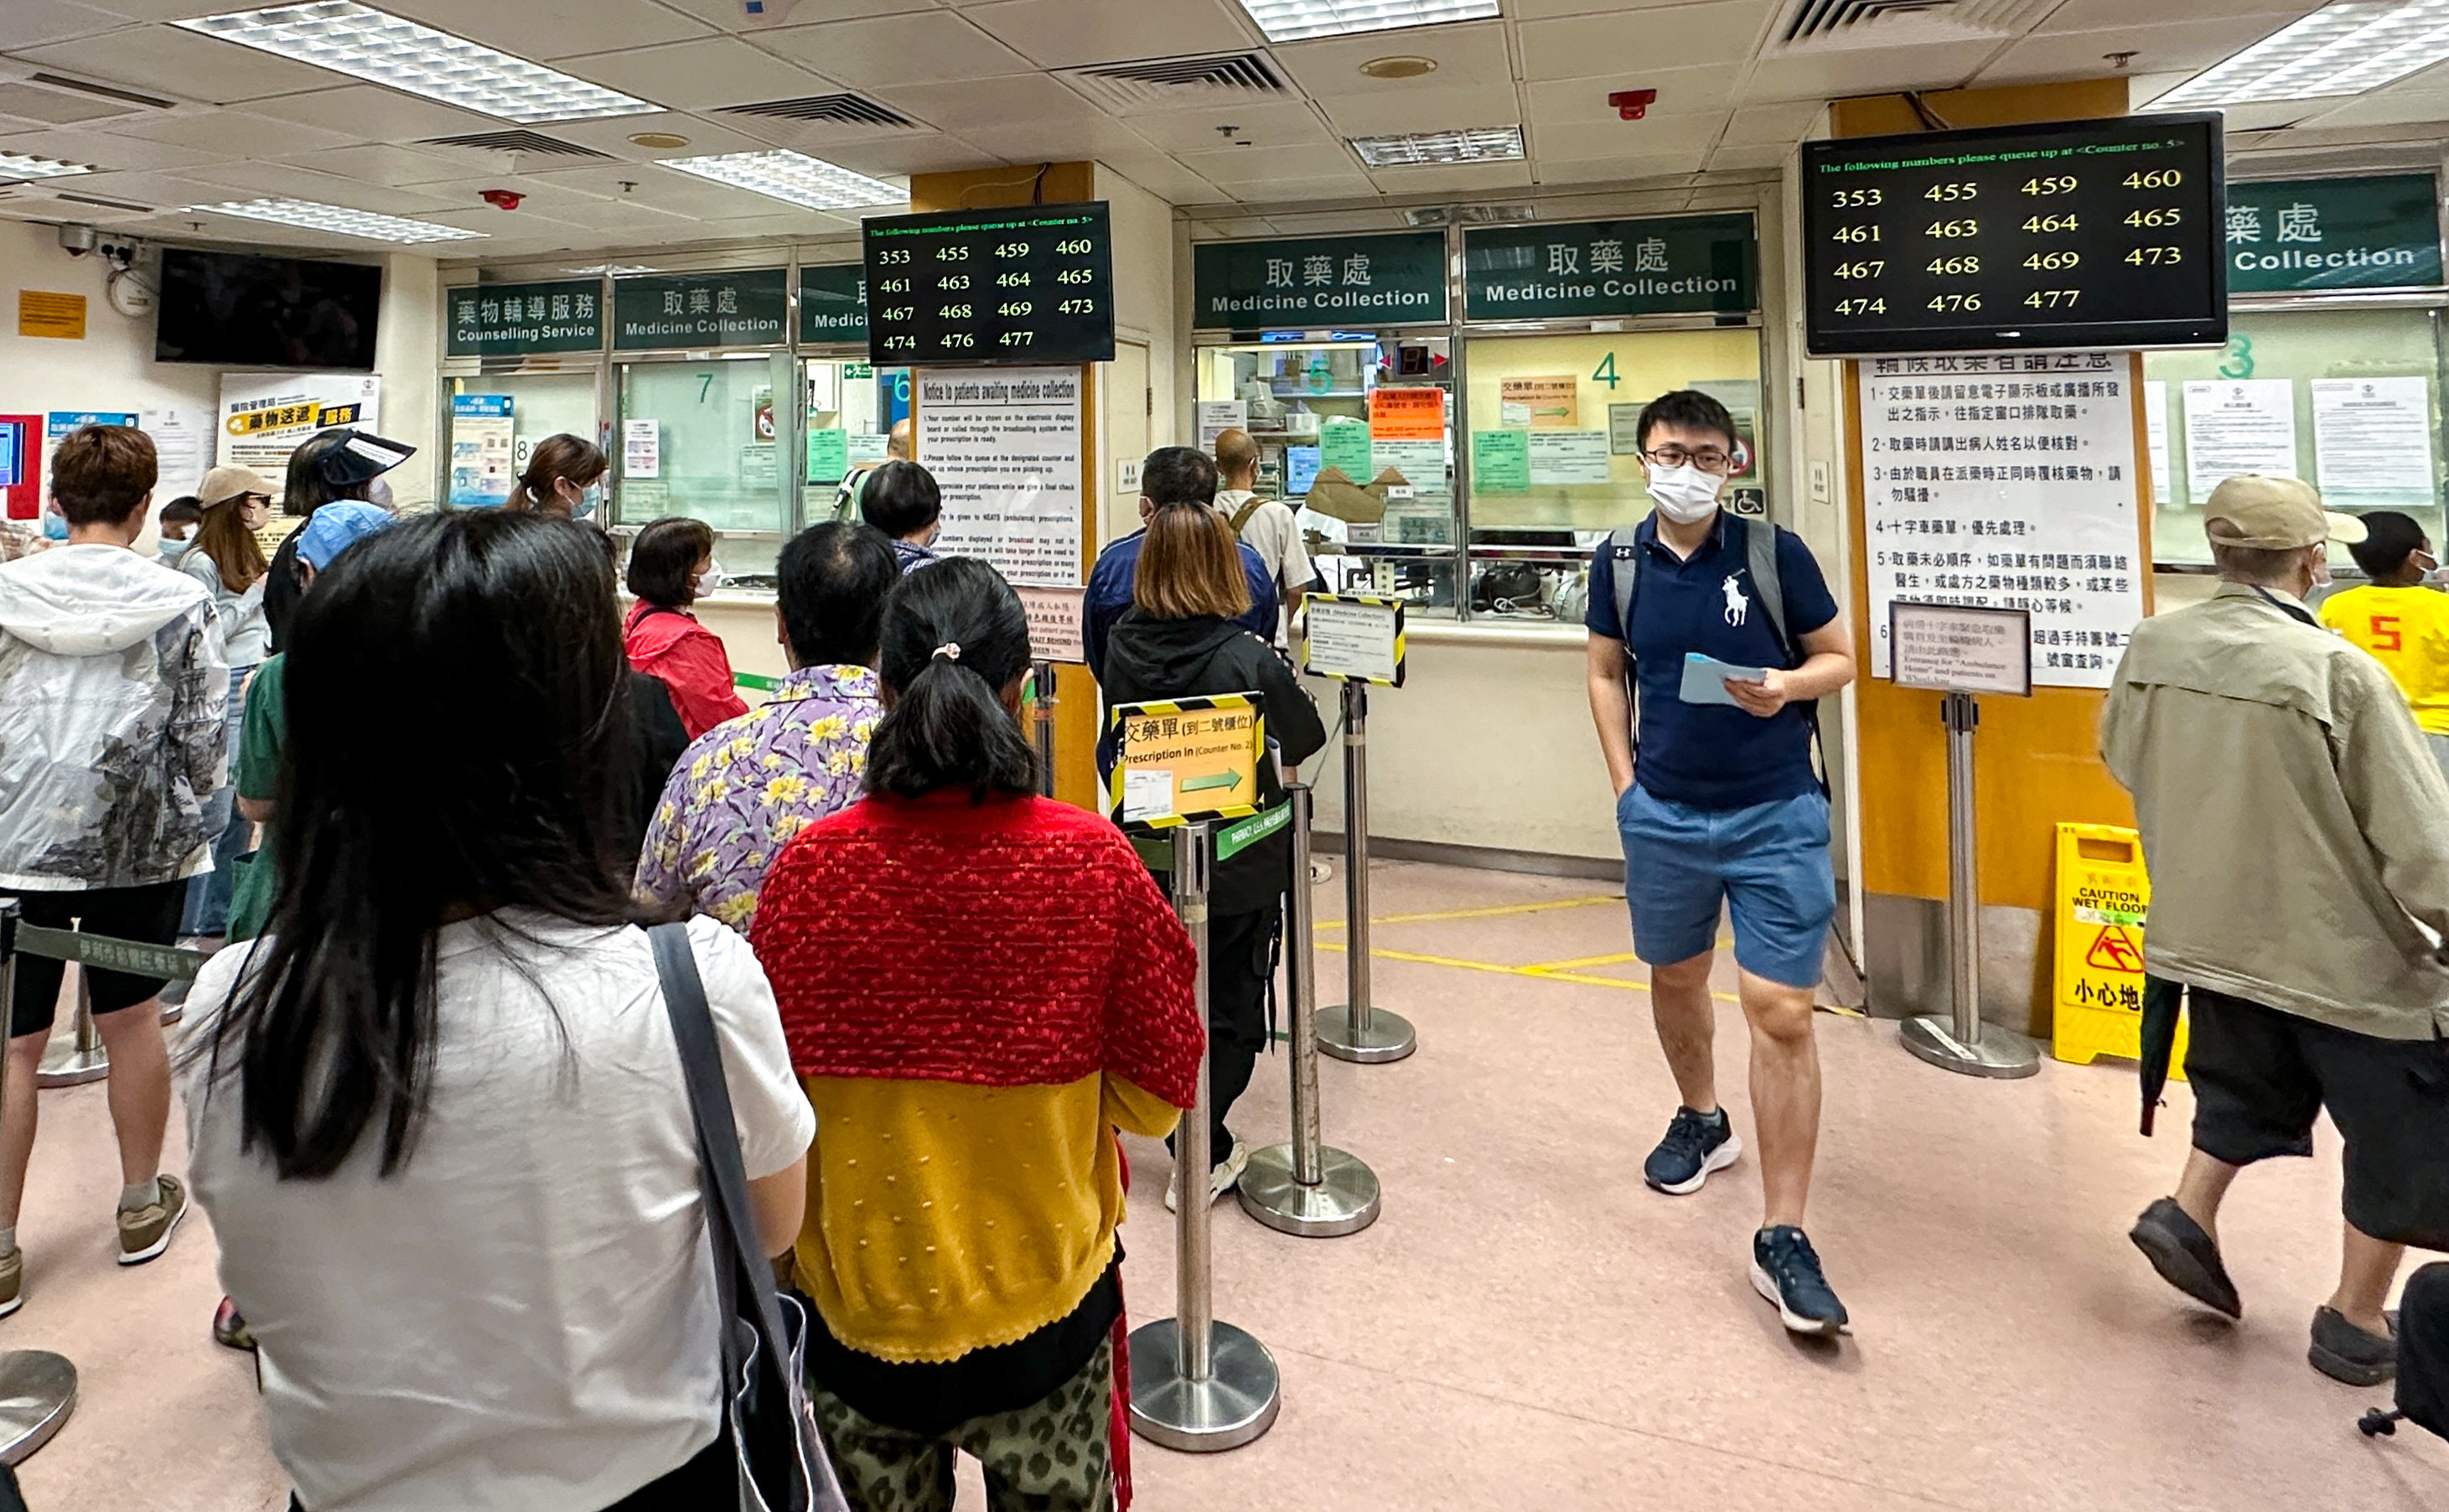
x=1319 y=280
x=833 y=303
x=2286 y=236
x=720 y=308
x=1681 y=264
x=1028 y=284
x=490 y=319
x=2007 y=481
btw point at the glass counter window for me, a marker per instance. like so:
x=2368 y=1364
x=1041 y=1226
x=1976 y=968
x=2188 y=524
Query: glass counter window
x=537 y=405
x=1554 y=451
x=2348 y=399
x=703 y=440
x=851 y=410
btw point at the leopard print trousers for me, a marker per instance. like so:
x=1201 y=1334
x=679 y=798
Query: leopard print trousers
x=1050 y=1456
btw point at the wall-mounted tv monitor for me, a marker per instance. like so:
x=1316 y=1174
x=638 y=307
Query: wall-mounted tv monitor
x=234 y=310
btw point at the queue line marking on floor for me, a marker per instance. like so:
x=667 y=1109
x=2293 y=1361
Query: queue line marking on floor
x=1537 y=973
x=1499 y=911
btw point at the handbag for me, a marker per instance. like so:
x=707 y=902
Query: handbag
x=783 y=1463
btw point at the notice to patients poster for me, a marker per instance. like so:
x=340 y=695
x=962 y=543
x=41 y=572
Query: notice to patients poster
x=2008 y=482
x=1004 y=444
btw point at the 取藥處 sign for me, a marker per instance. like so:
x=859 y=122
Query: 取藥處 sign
x=725 y=307
x=1341 y=279
x=833 y=303
x=1680 y=264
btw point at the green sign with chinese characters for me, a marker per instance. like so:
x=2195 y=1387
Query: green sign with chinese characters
x=833 y=303
x=2292 y=236
x=722 y=307
x=1672 y=266
x=491 y=320
x=1320 y=280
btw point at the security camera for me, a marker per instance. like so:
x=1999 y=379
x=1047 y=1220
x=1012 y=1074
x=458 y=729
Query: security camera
x=76 y=241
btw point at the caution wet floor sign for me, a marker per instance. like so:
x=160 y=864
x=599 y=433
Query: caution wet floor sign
x=2103 y=900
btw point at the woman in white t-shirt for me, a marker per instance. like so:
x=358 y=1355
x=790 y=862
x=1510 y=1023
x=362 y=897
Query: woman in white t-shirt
x=436 y=1112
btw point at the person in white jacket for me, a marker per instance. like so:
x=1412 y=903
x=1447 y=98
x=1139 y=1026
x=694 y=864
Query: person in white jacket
x=112 y=692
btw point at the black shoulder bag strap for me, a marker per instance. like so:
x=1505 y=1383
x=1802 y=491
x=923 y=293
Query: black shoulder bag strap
x=782 y=1468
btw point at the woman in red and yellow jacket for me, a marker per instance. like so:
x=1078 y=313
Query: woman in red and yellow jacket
x=979 y=986
x=671 y=566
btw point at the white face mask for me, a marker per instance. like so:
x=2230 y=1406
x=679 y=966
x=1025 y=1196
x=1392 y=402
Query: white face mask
x=1686 y=494
x=707 y=581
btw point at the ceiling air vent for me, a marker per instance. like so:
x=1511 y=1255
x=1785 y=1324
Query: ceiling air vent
x=100 y=91
x=527 y=144
x=1166 y=83
x=1825 y=25
x=835 y=110
x=1470 y=214
x=55 y=101
x=107 y=205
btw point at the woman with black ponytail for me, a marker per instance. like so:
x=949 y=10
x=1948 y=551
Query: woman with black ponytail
x=979 y=986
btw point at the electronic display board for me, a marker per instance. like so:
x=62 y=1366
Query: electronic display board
x=2066 y=234
x=1029 y=284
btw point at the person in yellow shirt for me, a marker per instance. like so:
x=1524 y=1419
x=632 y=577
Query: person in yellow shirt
x=2400 y=618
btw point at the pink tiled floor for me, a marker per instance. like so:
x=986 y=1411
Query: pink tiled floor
x=1528 y=1328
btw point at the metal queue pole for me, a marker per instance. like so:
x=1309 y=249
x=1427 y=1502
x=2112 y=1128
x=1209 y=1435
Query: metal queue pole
x=38 y=1389
x=1041 y=684
x=1197 y=1383
x=79 y=1059
x=1305 y=1188
x=1962 y=1043
x=1363 y=1032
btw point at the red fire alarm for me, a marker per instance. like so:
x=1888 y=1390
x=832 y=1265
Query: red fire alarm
x=501 y=199
x=1632 y=104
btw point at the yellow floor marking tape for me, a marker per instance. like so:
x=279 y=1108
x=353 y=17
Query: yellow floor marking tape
x=1534 y=973
x=1500 y=911
x=1621 y=958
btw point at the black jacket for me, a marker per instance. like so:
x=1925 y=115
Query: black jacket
x=657 y=738
x=1149 y=658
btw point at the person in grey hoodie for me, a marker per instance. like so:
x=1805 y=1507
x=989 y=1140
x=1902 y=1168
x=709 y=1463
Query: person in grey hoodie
x=112 y=690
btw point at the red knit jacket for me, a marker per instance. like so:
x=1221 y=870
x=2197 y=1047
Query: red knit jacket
x=1016 y=942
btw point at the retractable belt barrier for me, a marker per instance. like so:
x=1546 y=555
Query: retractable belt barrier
x=81 y=1058
x=1366 y=1034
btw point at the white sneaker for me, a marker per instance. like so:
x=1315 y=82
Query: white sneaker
x=1221 y=1180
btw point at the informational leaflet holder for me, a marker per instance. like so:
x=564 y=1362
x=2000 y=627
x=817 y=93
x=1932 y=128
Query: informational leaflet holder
x=2238 y=425
x=2007 y=481
x=480 y=449
x=1356 y=637
x=1005 y=446
x=263 y=415
x=1958 y=648
x=1184 y=760
x=2372 y=436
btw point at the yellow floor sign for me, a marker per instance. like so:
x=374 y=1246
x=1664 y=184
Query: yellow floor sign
x=2104 y=898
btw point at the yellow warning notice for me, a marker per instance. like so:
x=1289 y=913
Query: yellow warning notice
x=2104 y=898
x=1185 y=759
x=41 y=312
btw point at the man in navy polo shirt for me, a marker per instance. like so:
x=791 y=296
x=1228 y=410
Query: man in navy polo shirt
x=1719 y=806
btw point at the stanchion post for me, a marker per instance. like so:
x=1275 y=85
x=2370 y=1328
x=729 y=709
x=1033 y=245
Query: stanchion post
x=1364 y=1033
x=82 y=1059
x=38 y=1389
x=1303 y=1188
x=1962 y=1043
x=1041 y=684
x=1197 y=1383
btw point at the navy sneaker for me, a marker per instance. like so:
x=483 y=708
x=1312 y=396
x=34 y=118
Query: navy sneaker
x=1695 y=1145
x=1785 y=1270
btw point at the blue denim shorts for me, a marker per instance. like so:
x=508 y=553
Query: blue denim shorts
x=1767 y=865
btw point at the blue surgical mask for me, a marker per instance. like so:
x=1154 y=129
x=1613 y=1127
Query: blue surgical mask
x=590 y=498
x=55 y=525
x=171 y=550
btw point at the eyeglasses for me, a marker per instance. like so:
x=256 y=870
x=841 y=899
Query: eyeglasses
x=1709 y=459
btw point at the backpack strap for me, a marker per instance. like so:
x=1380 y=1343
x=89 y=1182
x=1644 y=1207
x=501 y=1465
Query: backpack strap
x=1760 y=556
x=1623 y=548
x=1241 y=515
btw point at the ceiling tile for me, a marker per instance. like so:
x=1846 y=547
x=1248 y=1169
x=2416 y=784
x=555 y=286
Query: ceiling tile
x=1756 y=125
x=1464 y=55
x=534 y=30
x=1260 y=165
x=231 y=133
x=1065 y=33
x=1836 y=75
x=1674 y=38
x=782 y=14
x=795 y=224
x=1681 y=91
x=287 y=180
x=104 y=148
x=457 y=176
x=183 y=64
x=2106 y=15
x=1629 y=138
x=1064 y=140
x=167 y=189
x=1275 y=123
x=1627 y=169
x=2386 y=107
x=1166 y=177
x=372 y=114
x=612 y=133
x=1021 y=98
x=1379 y=113
x=1231 y=226
x=907 y=153
x=1736 y=155
x=687 y=75
x=1352 y=186
x=162 y=10
x=34 y=22
x=521 y=225
x=643 y=222
x=662 y=188
x=1463 y=178
x=2183 y=47
x=926 y=47
x=1629 y=11
x=1388 y=219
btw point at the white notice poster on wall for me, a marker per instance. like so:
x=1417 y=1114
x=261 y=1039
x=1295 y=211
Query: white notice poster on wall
x=2007 y=482
x=2238 y=425
x=642 y=449
x=182 y=446
x=1569 y=457
x=1004 y=444
x=263 y=415
x=2155 y=435
x=1216 y=416
x=2372 y=437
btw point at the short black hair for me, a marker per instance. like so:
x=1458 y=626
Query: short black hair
x=1686 y=409
x=2390 y=538
x=901 y=499
x=832 y=580
x=663 y=558
x=1178 y=474
x=182 y=511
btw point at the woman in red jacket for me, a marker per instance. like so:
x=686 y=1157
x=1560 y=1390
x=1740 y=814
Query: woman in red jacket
x=671 y=566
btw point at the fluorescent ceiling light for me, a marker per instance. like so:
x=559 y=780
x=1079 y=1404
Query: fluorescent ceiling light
x=792 y=176
x=15 y=168
x=1409 y=149
x=1291 y=20
x=381 y=48
x=2343 y=49
x=314 y=217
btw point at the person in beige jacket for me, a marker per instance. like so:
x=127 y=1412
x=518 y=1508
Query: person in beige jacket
x=2300 y=889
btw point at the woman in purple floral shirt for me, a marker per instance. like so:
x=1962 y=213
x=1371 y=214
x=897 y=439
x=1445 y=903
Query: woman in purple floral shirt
x=744 y=787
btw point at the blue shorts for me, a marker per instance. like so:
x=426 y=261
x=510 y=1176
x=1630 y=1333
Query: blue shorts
x=1767 y=865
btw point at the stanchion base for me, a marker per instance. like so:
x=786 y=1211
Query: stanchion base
x=1998 y=1052
x=38 y=1390
x=172 y=1013
x=1383 y=1036
x=65 y=1065
x=1237 y=1402
x=1344 y=1201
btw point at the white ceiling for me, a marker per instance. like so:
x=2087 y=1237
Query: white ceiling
x=982 y=80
